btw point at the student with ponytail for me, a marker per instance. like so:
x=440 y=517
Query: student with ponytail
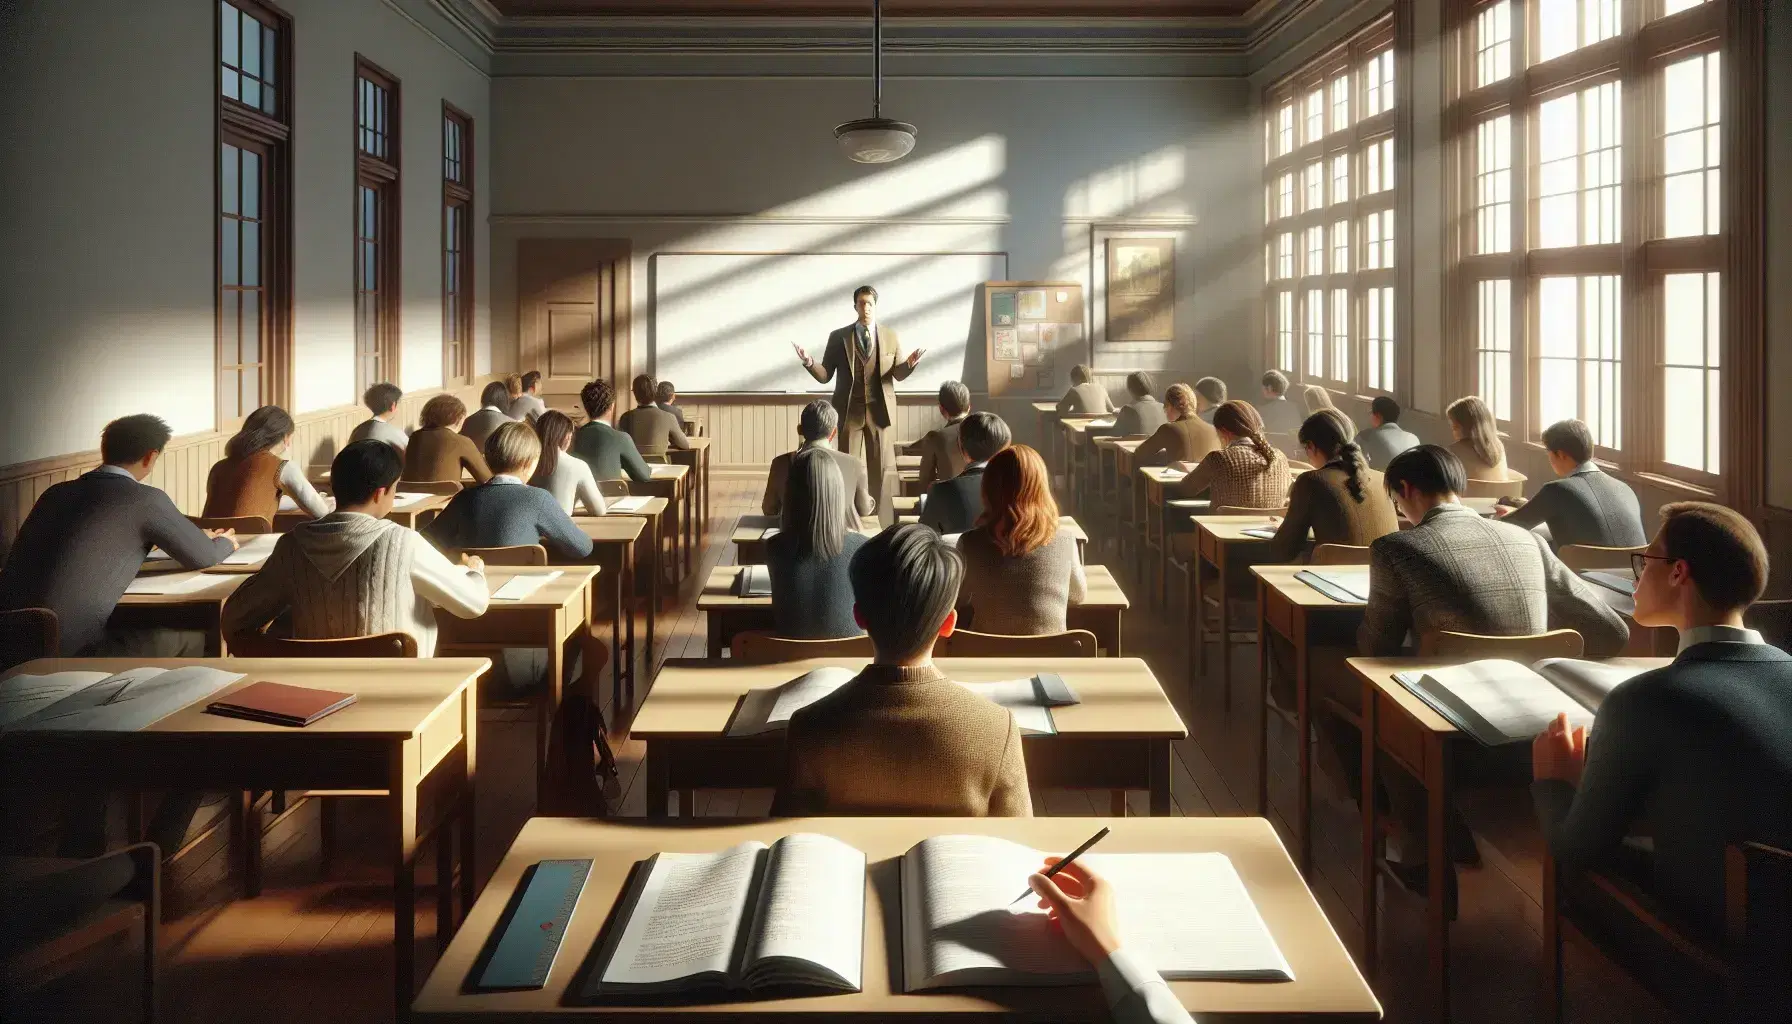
x=1342 y=501
x=1247 y=471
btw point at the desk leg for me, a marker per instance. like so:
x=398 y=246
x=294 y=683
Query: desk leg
x=249 y=822
x=444 y=886
x=546 y=709
x=1118 y=630
x=620 y=607
x=469 y=833
x=403 y=839
x=1303 y=723
x=1225 y=632
x=1197 y=611
x=715 y=633
x=1160 y=757
x=659 y=780
x=1367 y=796
x=1263 y=705
x=1117 y=803
x=1437 y=911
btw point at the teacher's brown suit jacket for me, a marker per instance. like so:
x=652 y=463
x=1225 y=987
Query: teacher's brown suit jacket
x=837 y=363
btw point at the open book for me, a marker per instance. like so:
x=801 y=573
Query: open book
x=748 y=918
x=124 y=701
x=1188 y=915
x=1499 y=702
x=769 y=710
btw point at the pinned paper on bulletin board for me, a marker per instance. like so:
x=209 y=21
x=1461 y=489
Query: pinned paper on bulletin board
x=1036 y=332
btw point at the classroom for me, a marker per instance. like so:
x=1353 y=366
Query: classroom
x=1157 y=511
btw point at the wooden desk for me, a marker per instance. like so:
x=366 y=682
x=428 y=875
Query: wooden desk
x=415 y=515
x=696 y=457
x=1216 y=538
x=412 y=734
x=671 y=483
x=1306 y=619
x=907 y=507
x=728 y=614
x=1156 y=506
x=201 y=610
x=1645 y=641
x=553 y=618
x=1126 y=500
x=1327 y=984
x=1117 y=739
x=749 y=535
x=619 y=532
x=653 y=513
x=1047 y=414
x=1408 y=731
x=1072 y=432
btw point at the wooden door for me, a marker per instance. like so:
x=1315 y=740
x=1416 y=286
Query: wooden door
x=573 y=314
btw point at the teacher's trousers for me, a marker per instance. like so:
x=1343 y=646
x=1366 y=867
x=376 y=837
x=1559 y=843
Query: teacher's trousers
x=862 y=437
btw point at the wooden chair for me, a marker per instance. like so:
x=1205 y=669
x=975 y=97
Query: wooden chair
x=1592 y=556
x=1773 y=619
x=1494 y=488
x=64 y=908
x=1557 y=643
x=515 y=554
x=613 y=488
x=241 y=524
x=656 y=458
x=1340 y=554
x=964 y=643
x=28 y=633
x=449 y=487
x=756 y=647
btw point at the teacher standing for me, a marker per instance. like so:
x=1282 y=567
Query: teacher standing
x=861 y=359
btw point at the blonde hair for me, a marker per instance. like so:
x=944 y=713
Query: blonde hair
x=511 y=447
x=1316 y=398
x=513 y=384
x=1181 y=398
x=1475 y=420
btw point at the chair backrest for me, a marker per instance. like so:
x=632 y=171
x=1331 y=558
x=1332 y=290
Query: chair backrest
x=1340 y=554
x=515 y=554
x=1241 y=510
x=385 y=645
x=1557 y=643
x=449 y=487
x=1592 y=556
x=965 y=643
x=755 y=647
x=1774 y=621
x=617 y=488
x=1493 y=488
x=241 y=524
x=28 y=633
x=1758 y=897
x=656 y=458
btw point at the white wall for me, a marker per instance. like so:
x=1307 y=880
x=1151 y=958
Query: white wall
x=107 y=292
x=1040 y=168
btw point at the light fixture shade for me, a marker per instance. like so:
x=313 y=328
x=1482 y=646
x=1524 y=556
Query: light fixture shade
x=875 y=140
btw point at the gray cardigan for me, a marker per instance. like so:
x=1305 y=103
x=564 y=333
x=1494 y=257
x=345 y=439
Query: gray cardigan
x=505 y=512
x=811 y=596
x=83 y=543
x=1024 y=596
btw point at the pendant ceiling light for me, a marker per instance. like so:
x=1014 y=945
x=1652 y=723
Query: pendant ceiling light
x=876 y=139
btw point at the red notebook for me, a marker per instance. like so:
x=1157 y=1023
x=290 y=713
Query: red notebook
x=281 y=704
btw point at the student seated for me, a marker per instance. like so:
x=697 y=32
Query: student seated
x=1279 y=415
x=953 y=506
x=1317 y=399
x=1384 y=438
x=1584 y=506
x=816 y=427
x=85 y=539
x=562 y=474
x=382 y=401
x=1210 y=394
x=1342 y=501
x=1138 y=418
x=809 y=555
x=1081 y=902
x=1186 y=436
x=609 y=452
x=901 y=738
x=665 y=395
x=527 y=406
x=1477 y=441
x=254 y=472
x=506 y=512
x=438 y=450
x=1696 y=754
x=941 y=458
x=1021 y=573
x=353 y=572
x=494 y=405
x=1085 y=397
x=1246 y=471
x=654 y=429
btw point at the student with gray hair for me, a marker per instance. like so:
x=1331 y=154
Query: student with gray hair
x=1210 y=394
x=901 y=737
x=494 y=412
x=1280 y=415
x=809 y=556
x=818 y=426
x=953 y=506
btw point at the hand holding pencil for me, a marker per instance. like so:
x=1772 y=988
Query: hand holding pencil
x=1080 y=902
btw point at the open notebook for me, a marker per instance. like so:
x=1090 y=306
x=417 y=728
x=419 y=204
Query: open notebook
x=123 y=701
x=749 y=918
x=769 y=710
x=1499 y=702
x=1188 y=915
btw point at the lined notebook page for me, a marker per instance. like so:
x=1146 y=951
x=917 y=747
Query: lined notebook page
x=631 y=503
x=518 y=588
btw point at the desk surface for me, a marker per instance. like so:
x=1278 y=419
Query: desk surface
x=694 y=698
x=220 y=586
x=1104 y=590
x=1380 y=671
x=569 y=585
x=649 y=509
x=1045 y=407
x=668 y=470
x=751 y=529
x=1230 y=529
x=612 y=529
x=1280 y=578
x=1326 y=983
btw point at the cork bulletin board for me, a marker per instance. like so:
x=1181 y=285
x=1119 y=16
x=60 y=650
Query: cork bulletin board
x=1036 y=333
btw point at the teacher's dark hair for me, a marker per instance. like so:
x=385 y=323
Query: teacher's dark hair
x=1429 y=469
x=905 y=582
x=361 y=468
x=863 y=289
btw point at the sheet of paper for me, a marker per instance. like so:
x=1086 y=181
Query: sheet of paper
x=405 y=499
x=522 y=587
x=253 y=549
x=130 y=700
x=813 y=907
x=1102 y=423
x=287 y=504
x=687 y=918
x=1260 y=532
x=768 y=710
x=769 y=532
x=1495 y=700
x=23 y=696
x=1021 y=698
x=631 y=503
x=1621 y=582
x=661 y=471
x=174 y=583
x=1588 y=682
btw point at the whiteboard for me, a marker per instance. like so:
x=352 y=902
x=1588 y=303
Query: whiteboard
x=727 y=321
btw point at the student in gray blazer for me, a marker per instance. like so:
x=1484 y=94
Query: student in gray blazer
x=954 y=506
x=1585 y=506
x=1140 y=417
x=493 y=402
x=1384 y=438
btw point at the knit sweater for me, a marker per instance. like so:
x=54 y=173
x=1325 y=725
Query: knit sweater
x=571 y=482
x=1239 y=476
x=1089 y=399
x=812 y=596
x=1026 y=595
x=440 y=453
x=349 y=574
x=1477 y=468
x=1188 y=439
x=504 y=512
x=1320 y=501
x=904 y=741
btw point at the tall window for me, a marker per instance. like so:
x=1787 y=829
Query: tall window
x=1588 y=183
x=1330 y=182
x=254 y=240
x=457 y=246
x=376 y=225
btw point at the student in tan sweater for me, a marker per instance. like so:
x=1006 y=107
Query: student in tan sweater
x=438 y=450
x=901 y=738
x=1185 y=438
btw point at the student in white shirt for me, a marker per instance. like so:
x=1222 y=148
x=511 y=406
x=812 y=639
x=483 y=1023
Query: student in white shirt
x=565 y=476
x=1082 y=903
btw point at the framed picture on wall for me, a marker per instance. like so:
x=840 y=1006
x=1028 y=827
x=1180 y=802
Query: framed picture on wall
x=1141 y=290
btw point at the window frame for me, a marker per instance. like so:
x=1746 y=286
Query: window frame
x=384 y=177
x=457 y=195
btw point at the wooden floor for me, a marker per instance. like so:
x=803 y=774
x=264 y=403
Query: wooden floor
x=318 y=950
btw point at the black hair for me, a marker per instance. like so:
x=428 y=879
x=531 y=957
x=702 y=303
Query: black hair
x=818 y=420
x=982 y=435
x=262 y=429
x=955 y=398
x=382 y=398
x=1140 y=384
x=1386 y=408
x=363 y=467
x=597 y=397
x=531 y=380
x=495 y=394
x=1571 y=438
x=130 y=439
x=1428 y=469
x=863 y=289
x=1328 y=431
x=905 y=581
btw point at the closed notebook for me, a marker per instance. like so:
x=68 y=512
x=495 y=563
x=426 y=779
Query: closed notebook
x=281 y=703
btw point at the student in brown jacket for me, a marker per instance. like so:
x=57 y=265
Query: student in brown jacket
x=1186 y=437
x=438 y=451
x=1342 y=501
x=655 y=430
x=255 y=472
x=901 y=738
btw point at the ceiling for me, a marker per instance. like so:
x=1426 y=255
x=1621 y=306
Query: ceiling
x=862 y=8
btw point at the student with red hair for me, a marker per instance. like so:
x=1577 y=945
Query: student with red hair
x=1021 y=572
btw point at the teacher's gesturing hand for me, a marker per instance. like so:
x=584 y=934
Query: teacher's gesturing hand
x=802 y=356
x=913 y=357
